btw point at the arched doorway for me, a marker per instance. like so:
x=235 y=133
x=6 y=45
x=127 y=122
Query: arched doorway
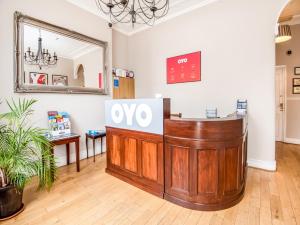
x=287 y=76
x=80 y=75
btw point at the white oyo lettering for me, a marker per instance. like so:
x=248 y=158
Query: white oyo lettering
x=143 y=115
x=180 y=61
x=129 y=111
x=117 y=113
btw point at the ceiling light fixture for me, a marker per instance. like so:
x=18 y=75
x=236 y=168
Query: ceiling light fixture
x=284 y=33
x=42 y=58
x=134 y=11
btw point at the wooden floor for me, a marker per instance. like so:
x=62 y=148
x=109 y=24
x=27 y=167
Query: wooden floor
x=93 y=197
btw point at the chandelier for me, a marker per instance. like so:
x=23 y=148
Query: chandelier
x=42 y=58
x=134 y=11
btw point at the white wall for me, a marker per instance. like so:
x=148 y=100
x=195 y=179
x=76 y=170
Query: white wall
x=236 y=38
x=87 y=111
x=92 y=63
x=119 y=50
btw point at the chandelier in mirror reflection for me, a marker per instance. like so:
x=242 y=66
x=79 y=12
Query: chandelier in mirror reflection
x=42 y=57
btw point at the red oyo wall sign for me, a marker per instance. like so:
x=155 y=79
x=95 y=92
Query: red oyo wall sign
x=184 y=68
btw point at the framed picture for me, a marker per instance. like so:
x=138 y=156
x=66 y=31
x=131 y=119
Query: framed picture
x=296 y=90
x=59 y=80
x=296 y=82
x=297 y=70
x=38 y=78
x=184 y=68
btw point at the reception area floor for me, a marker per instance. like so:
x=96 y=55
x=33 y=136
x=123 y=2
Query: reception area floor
x=93 y=197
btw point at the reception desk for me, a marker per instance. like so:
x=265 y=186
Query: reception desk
x=196 y=163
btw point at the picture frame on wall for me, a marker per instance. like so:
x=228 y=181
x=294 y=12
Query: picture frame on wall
x=184 y=68
x=297 y=70
x=296 y=89
x=296 y=82
x=60 y=80
x=37 y=78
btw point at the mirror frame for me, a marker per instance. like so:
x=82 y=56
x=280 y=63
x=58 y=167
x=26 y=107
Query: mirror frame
x=19 y=85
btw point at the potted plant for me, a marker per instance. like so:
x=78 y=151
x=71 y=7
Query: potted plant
x=24 y=153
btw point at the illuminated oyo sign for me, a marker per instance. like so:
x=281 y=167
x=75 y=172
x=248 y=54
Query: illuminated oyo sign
x=137 y=114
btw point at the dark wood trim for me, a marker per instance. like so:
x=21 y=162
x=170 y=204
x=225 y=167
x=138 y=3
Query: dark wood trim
x=66 y=141
x=198 y=164
x=205 y=162
x=205 y=207
x=149 y=148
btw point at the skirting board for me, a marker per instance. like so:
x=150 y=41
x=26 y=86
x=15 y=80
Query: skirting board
x=292 y=141
x=260 y=164
x=61 y=160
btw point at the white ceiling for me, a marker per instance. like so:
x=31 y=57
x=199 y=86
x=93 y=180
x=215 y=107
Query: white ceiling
x=177 y=7
x=63 y=46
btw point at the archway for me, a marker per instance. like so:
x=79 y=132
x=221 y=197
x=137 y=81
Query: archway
x=80 y=75
x=287 y=76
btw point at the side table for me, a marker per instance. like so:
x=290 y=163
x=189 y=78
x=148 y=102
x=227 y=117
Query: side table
x=94 y=137
x=66 y=140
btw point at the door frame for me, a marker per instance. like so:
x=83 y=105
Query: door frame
x=285 y=99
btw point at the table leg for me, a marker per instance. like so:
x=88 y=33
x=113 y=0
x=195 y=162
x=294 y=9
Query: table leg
x=77 y=155
x=68 y=153
x=94 y=149
x=101 y=145
x=87 y=146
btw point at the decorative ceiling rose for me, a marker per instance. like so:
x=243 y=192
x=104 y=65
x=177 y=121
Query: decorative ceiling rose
x=42 y=58
x=284 y=33
x=134 y=11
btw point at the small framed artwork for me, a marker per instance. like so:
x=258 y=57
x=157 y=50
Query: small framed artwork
x=59 y=80
x=296 y=82
x=296 y=89
x=297 y=70
x=38 y=78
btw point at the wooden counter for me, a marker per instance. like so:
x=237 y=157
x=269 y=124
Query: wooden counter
x=196 y=163
x=205 y=162
x=136 y=158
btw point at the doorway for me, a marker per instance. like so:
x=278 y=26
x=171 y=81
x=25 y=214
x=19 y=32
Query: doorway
x=280 y=102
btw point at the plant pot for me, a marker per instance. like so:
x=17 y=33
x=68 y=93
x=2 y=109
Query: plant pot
x=10 y=202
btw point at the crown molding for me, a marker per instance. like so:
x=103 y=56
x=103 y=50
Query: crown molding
x=146 y=27
x=174 y=15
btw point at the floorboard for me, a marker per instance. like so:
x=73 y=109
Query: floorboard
x=93 y=197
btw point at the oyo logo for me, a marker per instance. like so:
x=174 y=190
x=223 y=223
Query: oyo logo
x=184 y=60
x=142 y=114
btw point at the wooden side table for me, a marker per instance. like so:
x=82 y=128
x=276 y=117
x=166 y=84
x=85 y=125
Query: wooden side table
x=66 y=140
x=93 y=137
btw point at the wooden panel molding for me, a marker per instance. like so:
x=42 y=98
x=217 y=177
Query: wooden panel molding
x=205 y=162
x=115 y=151
x=198 y=164
x=138 y=161
x=149 y=160
x=180 y=169
x=207 y=171
x=130 y=154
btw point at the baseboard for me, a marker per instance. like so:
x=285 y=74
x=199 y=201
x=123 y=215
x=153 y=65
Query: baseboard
x=292 y=141
x=261 y=164
x=62 y=159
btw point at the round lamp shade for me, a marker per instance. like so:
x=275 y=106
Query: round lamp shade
x=284 y=33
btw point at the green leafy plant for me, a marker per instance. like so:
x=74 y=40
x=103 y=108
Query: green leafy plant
x=24 y=150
